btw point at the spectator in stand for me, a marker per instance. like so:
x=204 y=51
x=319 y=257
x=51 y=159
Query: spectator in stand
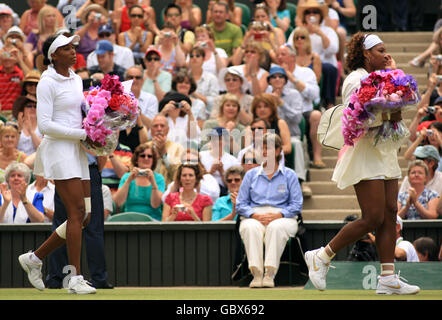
x=215 y=59
x=404 y=250
x=224 y=208
x=253 y=140
x=25 y=111
x=430 y=156
x=233 y=82
x=136 y=39
x=15 y=206
x=86 y=3
x=17 y=39
x=184 y=83
x=418 y=202
x=6 y=21
x=290 y=110
x=228 y=118
x=324 y=42
x=216 y=159
x=424 y=118
x=156 y=80
x=207 y=87
x=8 y=148
x=187 y=204
x=208 y=184
x=304 y=55
x=272 y=37
x=147 y=102
x=169 y=152
x=106 y=64
x=249 y=161
x=426 y=249
x=228 y=36
x=434 y=48
x=280 y=14
x=140 y=190
x=30 y=82
x=235 y=12
x=173 y=16
x=191 y=15
x=303 y=79
x=29 y=18
x=168 y=43
x=265 y=106
x=11 y=76
x=270 y=201
x=121 y=15
x=93 y=18
x=427 y=136
x=47 y=26
x=134 y=136
x=42 y=189
x=254 y=57
x=184 y=129
x=123 y=56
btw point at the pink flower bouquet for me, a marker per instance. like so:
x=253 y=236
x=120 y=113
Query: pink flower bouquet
x=109 y=108
x=380 y=91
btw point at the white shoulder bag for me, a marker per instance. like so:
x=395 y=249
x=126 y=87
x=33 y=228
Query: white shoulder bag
x=330 y=128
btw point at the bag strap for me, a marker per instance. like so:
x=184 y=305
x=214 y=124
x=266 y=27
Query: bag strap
x=328 y=127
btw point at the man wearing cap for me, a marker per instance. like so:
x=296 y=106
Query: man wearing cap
x=290 y=110
x=123 y=56
x=430 y=155
x=173 y=16
x=17 y=39
x=404 y=250
x=106 y=64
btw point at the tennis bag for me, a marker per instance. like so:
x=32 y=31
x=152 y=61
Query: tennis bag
x=330 y=128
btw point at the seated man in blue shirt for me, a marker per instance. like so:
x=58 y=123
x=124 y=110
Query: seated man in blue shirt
x=269 y=201
x=224 y=208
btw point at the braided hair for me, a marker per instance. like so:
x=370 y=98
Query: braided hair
x=355 y=51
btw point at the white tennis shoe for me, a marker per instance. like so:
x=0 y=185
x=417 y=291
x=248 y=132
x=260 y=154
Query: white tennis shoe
x=32 y=269
x=78 y=285
x=317 y=269
x=393 y=285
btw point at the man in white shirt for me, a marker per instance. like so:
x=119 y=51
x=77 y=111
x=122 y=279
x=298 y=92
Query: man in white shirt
x=404 y=250
x=123 y=56
x=304 y=80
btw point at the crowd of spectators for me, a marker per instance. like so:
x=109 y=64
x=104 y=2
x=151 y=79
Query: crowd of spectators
x=210 y=85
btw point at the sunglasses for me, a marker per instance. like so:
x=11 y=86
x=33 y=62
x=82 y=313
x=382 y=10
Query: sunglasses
x=149 y=59
x=237 y=180
x=134 y=77
x=137 y=16
x=257 y=128
x=173 y=14
x=312 y=12
x=250 y=51
x=144 y=156
x=104 y=35
x=30 y=105
x=194 y=55
x=277 y=76
x=300 y=37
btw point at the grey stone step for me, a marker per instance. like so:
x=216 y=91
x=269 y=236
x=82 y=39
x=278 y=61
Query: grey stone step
x=331 y=202
x=328 y=214
x=415 y=47
x=405 y=37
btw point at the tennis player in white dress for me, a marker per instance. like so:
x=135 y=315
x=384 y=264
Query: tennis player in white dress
x=60 y=157
x=374 y=173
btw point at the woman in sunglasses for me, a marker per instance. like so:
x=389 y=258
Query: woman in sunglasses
x=305 y=57
x=187 y=204
x=136 y=39
x=140 y=189
x=8 y=147
x=224 y=208
x=25 y=111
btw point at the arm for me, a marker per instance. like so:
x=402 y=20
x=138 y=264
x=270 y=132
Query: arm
x=243 y=201
x=33 y=213
x=409 y=153
x=295 y=200
x=155 y=197
x=120 y=196
x=415 y=123
x=285 y=136
x=45 y=94
x=6 y=197
x=402 y=211
x=348 y=10
x=400 y=254
x=431 y=212
x=207 y=213
x=119 y=167
x=169 y=214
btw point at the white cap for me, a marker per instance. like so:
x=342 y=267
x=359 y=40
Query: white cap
x=61 y=41
x=399 y=221
x=371 y=40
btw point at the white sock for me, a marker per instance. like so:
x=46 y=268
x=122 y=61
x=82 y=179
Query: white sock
x=387 y=272
x=322 y=254
x=35 y=259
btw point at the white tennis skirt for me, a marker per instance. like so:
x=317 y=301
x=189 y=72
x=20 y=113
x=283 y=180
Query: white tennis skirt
x=58 y=159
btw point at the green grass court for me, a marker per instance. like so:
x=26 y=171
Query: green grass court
x=218 y=293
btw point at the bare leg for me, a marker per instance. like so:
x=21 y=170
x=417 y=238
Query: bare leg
x=315 y=116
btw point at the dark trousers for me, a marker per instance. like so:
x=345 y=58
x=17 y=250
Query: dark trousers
x=329 y=80
x=93 y=235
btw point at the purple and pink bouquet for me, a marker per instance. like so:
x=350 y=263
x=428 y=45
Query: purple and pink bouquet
x=380 y=91
x=109 y=108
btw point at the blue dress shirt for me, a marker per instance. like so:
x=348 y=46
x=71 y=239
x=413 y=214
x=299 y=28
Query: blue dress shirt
x=282 y=191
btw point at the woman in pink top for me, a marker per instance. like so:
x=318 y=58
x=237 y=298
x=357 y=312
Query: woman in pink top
x=187 y=204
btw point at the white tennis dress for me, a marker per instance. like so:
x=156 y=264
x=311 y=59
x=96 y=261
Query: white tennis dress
x=59 y=155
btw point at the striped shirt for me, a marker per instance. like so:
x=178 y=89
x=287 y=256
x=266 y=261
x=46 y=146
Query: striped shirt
x=10 y=88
